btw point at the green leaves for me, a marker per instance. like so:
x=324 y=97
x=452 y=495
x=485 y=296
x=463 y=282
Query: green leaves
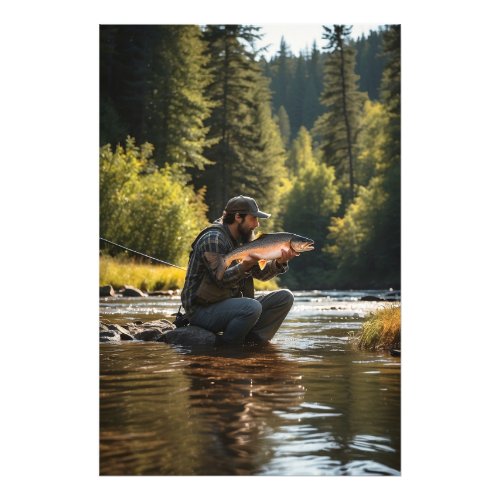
x=147 y=209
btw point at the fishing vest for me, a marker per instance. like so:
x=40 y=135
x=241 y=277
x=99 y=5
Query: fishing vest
x=208 y=291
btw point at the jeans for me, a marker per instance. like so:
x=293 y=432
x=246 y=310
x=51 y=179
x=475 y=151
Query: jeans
x=243 y=318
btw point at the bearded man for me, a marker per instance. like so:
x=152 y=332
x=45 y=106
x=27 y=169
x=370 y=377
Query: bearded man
x=228 y=304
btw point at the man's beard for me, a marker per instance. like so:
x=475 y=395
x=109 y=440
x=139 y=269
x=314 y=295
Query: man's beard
x=246 y=235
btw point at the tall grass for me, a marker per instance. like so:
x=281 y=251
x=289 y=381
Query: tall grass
x=119 y=272
x=382 y=330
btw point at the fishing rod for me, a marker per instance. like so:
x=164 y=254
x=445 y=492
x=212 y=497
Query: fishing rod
x=142 y=254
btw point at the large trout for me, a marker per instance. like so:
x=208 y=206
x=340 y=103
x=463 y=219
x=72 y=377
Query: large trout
x=266 y=247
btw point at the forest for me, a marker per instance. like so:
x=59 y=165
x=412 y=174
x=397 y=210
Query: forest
x=191 y=116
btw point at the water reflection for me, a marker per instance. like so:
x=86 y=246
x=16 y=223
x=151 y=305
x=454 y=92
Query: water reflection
x=306 y=405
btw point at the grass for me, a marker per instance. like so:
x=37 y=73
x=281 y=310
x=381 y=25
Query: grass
x=119 y=272
x=382 y=330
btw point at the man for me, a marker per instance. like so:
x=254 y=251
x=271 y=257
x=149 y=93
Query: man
x=228 y=305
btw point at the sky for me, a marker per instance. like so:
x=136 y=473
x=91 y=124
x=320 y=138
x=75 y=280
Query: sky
x=300 y=36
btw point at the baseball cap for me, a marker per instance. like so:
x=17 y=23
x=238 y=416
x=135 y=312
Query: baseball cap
x=245 y=205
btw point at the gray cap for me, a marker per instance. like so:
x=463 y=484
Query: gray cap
x=244 y=205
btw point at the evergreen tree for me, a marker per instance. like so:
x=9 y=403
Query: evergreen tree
x=370 y=63
x=247 y=154
x=337 y=128
x=126 y=53
x=153 y=80
x=280 y=85
x=367 y=240
x=177 y=106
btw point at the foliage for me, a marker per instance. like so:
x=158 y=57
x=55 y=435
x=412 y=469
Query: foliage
x=309 y=206
x=371 y=141
x=382 y=330
x=146 y=209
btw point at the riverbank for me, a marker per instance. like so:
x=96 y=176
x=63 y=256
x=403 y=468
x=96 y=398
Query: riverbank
x=149 y=278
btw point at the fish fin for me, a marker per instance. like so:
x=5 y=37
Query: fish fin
x=216 y=263
x=262 y=263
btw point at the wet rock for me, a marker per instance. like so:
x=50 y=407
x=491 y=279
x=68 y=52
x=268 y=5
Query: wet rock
x=151 y=334
x=188 y=335
x=103 y=327
x=150 y=331
x=106 y=291
x=159 y=293
x=110 y=336
x=130 y=291
x=371 y=298
x=118 y=328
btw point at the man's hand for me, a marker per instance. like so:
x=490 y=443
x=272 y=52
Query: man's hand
x=286 y=255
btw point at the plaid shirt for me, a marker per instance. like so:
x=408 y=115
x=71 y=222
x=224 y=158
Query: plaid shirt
x=217 y=241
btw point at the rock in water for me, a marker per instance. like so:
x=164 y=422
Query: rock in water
x=106 y=291
x=188 y=335
x=130 y=291
x=149 y=334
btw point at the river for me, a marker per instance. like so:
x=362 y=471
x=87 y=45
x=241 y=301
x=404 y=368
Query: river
x=308 y=404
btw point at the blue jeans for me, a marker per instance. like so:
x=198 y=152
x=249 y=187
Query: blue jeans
x=243 y=318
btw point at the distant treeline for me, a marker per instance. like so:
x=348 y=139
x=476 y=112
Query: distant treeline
x=297 y=81
x=191 y=116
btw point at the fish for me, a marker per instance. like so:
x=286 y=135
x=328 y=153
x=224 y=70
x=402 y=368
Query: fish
x=266 y=247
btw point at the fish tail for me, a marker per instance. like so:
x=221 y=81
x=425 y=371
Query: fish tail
x=216 y=263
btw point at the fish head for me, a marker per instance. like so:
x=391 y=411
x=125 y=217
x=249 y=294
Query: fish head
x=301 y=244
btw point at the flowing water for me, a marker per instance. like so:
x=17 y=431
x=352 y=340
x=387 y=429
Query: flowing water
x=308 y=404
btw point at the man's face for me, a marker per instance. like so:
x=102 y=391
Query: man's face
x=246 y=227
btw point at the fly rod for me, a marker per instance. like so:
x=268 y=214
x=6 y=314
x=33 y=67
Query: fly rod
x=142 y=254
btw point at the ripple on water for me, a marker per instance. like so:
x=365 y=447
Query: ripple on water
x=308 y=404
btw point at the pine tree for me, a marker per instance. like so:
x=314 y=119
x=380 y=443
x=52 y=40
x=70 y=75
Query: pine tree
x=370 y=63
x=248 y=152
x=177 y=106
x=337 y=128
x=153 y=80
x=367 y=240
x=280 y=86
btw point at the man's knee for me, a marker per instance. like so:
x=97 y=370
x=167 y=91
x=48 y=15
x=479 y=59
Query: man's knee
x=250 y=308
x=286 y=296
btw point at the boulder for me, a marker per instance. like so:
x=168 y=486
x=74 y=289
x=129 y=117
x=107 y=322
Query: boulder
x=106 y=291
x=126 y=336
x=118 y=328
x=188 y=335
x=110 y=336
x=151 y=334
x=130 y=291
